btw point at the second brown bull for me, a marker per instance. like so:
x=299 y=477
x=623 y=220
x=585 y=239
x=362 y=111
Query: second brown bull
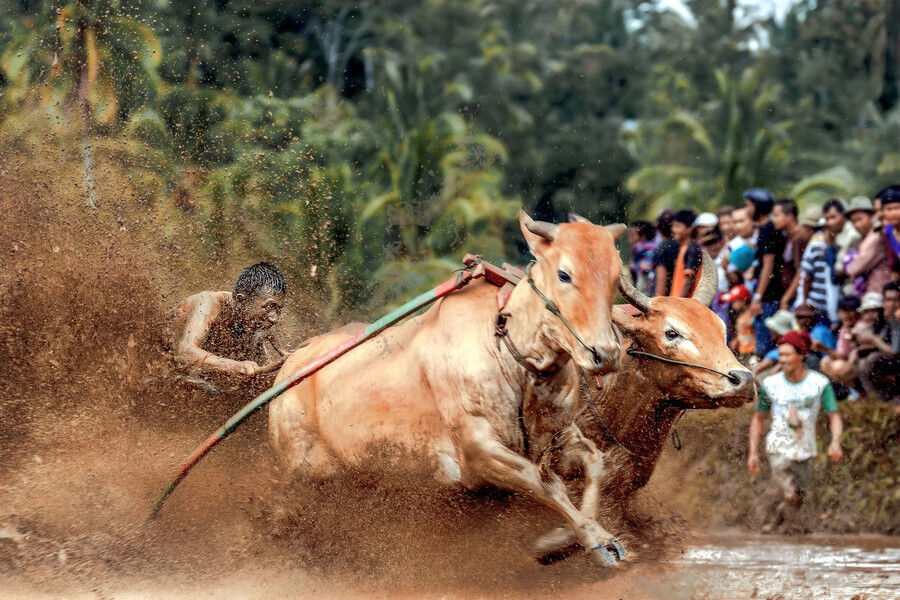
x=624 y=418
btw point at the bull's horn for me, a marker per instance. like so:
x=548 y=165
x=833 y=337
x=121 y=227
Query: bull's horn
x=637 y=299
x=548 y=231
x=706 y=289
x=616 y=229
x=576 y=218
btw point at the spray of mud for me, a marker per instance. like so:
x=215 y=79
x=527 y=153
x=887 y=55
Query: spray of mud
x=91 y=428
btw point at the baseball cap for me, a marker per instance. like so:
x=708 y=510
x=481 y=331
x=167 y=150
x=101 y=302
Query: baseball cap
x=742 y=257
x=738 y=292
x=811 y=216
x=706 y=219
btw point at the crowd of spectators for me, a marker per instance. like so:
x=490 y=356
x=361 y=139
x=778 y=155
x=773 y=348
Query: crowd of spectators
x=830 y=272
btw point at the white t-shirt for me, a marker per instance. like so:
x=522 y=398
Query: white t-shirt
x=777 y=395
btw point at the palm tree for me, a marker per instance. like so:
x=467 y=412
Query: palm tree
x=101 y=61
x=702 y=159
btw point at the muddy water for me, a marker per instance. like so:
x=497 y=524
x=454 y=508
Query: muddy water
x=739 y=565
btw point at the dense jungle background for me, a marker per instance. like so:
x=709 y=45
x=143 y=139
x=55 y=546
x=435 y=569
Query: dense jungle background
x=363 y=146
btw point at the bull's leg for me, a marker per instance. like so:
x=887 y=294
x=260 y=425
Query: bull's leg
x=576 y=446
x=488 y=460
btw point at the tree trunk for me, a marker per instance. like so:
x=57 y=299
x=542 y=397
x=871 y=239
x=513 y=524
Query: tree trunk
x=84 y=113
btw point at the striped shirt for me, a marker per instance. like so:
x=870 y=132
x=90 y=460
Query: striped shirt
x=823 y=293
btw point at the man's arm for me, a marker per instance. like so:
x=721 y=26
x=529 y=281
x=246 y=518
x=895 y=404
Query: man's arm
x=835 y=424
x=765 y=274
x=871 y=253
x=202 y=310
x=756 y=424
x=791 y=292
x=660 y=287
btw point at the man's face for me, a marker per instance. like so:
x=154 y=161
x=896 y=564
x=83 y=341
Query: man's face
x=848 y=317
x=834 y=220
x=680 y=232
x=726 y=226
x=789 y=358
x=261 y=311
x=862 y=221
x=891 y=304
x=751 y=209
x=891 y=213
x=780 y=219
x=743 y=226
x=870 y=316
x=805 y=322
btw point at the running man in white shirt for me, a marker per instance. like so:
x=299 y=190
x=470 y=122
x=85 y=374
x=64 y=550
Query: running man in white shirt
x=793 y=397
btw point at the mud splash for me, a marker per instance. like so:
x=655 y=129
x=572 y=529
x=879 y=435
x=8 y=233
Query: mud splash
x=92 y=428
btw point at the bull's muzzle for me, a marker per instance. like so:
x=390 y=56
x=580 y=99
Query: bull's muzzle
x=741 y=380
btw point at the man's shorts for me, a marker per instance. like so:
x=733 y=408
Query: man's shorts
x=792 y=476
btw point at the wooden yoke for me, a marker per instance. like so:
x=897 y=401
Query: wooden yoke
x=505 y=278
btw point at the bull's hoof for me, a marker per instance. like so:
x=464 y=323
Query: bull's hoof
x=607 y=553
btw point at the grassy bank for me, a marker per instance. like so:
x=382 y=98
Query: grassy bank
x=708 y=480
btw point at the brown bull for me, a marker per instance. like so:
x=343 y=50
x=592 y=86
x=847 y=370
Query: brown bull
x=631 y=412
x=441 y=392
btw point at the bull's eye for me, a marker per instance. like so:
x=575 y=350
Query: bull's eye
x=563 y=276
x=671 y=334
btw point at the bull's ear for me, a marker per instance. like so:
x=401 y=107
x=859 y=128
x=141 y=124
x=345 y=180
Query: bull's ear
x=624 y=321
x=536 y=232
x=616 y=229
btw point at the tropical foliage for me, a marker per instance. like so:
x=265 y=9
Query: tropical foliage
x=366 y=145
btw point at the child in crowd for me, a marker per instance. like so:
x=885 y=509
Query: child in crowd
x=839 y=363
x=641 y=236
x=744 y=342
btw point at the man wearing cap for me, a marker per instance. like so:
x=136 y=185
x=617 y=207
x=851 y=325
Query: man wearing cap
x=817 y=286
x=793 y=397
x=704 y=222
x=778 y=324
x=871 y=263
x=769 y=259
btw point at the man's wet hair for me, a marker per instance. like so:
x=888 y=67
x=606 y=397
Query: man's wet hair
x=788 y=207
x=835 y=203
x=261 y=278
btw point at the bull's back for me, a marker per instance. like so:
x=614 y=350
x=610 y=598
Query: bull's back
x=368 y=400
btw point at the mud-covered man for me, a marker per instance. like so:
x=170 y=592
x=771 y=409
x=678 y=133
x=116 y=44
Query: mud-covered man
x=228 y=335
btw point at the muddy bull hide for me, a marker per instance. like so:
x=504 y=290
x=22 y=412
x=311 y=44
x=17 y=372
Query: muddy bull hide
x=443 y=393
x=623 y=418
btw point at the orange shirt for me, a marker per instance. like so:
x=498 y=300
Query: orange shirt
x=688 y=262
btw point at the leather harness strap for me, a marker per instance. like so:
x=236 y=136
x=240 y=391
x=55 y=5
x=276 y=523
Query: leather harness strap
x=500 y=331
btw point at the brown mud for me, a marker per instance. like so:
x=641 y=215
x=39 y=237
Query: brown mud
x=92 y=428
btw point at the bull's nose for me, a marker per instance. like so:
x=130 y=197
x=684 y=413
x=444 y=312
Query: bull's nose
x=606 y=359
x=740 y=378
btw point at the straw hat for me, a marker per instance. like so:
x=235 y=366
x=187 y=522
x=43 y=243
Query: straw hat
x=860 y=203
x=781 y=322
x=871 y=300
x=811 y=216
